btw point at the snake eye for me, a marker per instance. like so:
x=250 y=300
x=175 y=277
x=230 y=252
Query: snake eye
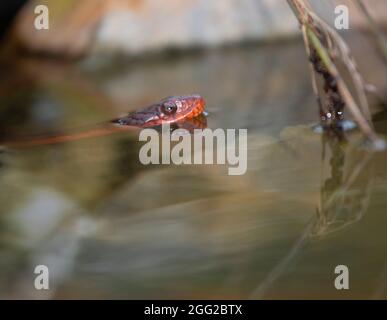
x=169 y=108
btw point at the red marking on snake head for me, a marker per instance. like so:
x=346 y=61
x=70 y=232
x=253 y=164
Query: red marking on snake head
x=168 y=110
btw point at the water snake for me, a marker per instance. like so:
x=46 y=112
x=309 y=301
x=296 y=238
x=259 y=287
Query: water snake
x=175 y=110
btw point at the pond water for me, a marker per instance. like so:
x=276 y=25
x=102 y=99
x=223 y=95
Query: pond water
x=109 y=227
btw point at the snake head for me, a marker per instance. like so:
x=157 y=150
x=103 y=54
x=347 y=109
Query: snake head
x=168 y=110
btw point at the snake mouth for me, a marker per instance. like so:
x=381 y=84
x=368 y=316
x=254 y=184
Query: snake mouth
x=131 y=121
x=138 y=119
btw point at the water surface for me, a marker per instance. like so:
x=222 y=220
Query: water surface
x=109 y=227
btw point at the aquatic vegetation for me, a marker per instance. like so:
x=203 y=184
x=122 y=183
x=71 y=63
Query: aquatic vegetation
x=326 y=49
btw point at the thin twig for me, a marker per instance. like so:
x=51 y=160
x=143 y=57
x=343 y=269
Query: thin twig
x=350 y=102
x=324 y=45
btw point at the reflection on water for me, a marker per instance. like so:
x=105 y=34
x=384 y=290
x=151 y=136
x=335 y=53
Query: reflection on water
x=109 y=227
x=344 y=198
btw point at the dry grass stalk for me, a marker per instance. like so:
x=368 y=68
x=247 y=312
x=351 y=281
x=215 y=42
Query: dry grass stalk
x=324 y=47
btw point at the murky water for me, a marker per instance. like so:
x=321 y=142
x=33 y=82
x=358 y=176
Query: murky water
x=109 y=227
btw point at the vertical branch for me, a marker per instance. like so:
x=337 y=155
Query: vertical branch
x=343 y=89
x=321 y=107
x=323 y=46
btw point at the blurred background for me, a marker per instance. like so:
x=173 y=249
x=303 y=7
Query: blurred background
x=109 y=227
x=134 y=27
